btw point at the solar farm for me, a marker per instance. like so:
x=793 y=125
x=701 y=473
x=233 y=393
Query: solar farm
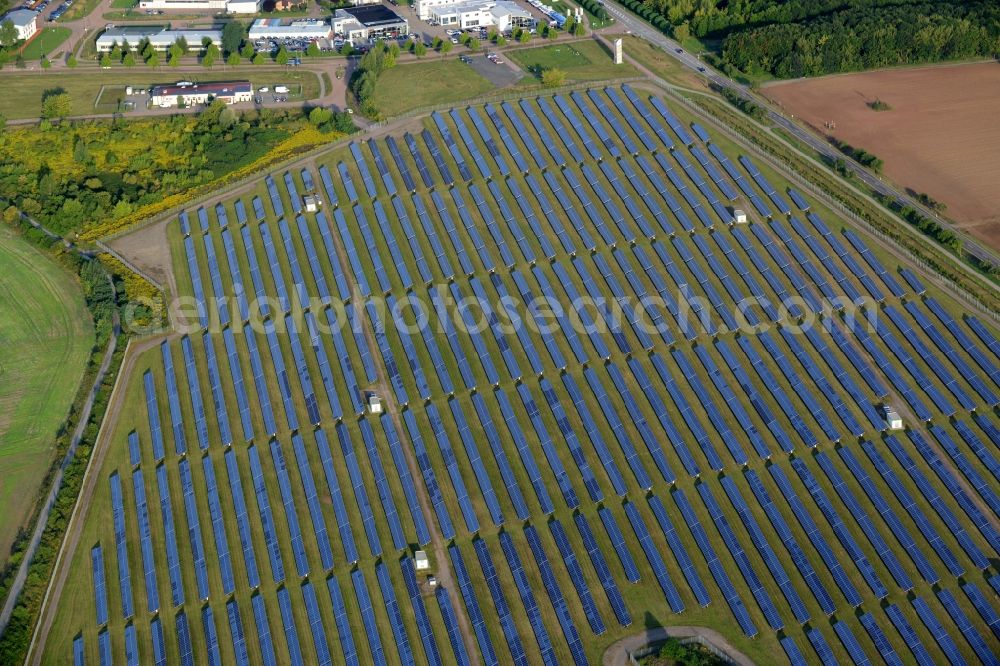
x=692 y=431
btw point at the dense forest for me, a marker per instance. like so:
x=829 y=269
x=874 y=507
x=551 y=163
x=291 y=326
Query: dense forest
x=813 y=37
x=71 y=176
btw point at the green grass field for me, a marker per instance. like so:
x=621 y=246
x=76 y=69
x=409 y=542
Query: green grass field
x=583 y=60
x=46 y=334
x=46 y=43
x=407 y=87
x=645 y=425
x=24 y=91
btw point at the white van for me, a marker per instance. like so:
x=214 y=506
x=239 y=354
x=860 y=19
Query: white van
x=263 y=89
x=281 y=89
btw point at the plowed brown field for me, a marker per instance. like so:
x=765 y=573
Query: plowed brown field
x=942 y=135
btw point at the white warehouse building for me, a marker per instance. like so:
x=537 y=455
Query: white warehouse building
x=228 y=6
x=500 y=14
x=311 y=29
x=161 y=38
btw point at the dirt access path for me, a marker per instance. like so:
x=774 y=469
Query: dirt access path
x=940 y=136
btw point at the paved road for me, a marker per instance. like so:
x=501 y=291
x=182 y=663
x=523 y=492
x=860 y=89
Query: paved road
x=638 y=27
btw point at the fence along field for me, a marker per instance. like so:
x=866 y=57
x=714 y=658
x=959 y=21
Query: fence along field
x=600 y=478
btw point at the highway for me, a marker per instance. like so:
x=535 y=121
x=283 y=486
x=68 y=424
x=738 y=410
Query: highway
x=640 y=28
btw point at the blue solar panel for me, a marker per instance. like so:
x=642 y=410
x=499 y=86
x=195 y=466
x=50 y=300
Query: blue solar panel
x=308 y=486
x=795 y=656
x=451 y=464
x=451 y=627
x=194 y=391
x=475 y=460
x=878 y=502
x=817 y=539
x=366 y=175
x=236 y=632
x=504 y=617
x=203 y=220
x=184 y=223
x=218 y=527
x=399 y=539
x=505 y=136
x=524 y=451
x=272 y=191
x=347 y=181
x=288 y=623
x=982 y=605
x=134 y=452
x=302 y=369
x=851 y=644
x=169 y=537
x=315 y=619
x=256 y=278
x=257 y=368
x=264 y=640
x=367 y=616
x=397 y=159
x=575 y=572
x=416 y=251
x=405 y=480
x=722 y=579
x=556 y=598
x=173 y=401
x=360 y=494
x=284 y=301
x=840 y=530
x=675 y=124
x=104 y=648
x=614 y=419
x=654 y=558
x=882 y=644
x=399 y=635
x=678 y=550
x=439 y=161
x=909 y=636
x=153 y=415
x=418 y=159
x=472 y=605
x=759 y=540
x=145 y=542
x=548 y=447
x=904 y=497
x=947 y=477
x=965 y=628
x=291 y=514
x=603 y=571
x=784 y=533
x=470 y=143
x=281 y=374
x=352 y=252
x=100 y=585
x=336 y=497
x=266 y=516
x=822 y=648
x=937 y=631
x=420 y=612
x=574 y=121
x=159 y=647
x=430 y=480
x=982 y=486
x=131 y=646
x=194 y=529
x=184 y=639
x=380 y=166
x=546 y=651
x=121 y=545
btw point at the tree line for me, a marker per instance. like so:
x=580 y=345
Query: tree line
x=868 y=38
x=813 y=37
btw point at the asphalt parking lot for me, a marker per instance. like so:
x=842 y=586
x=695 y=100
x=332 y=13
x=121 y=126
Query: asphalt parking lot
x=501 y=75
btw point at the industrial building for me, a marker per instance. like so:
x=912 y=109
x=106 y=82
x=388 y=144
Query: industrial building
x=278 y=29
x=230 y=92
x=160 y=37
x=500 y=14
x=25 y=22
x=358 y=25
x=228 y=6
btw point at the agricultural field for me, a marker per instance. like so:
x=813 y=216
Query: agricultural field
x=606 y=406
x=47 y=335
x=938 y=136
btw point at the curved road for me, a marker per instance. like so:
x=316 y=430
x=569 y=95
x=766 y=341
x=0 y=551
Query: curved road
x=642 y=29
